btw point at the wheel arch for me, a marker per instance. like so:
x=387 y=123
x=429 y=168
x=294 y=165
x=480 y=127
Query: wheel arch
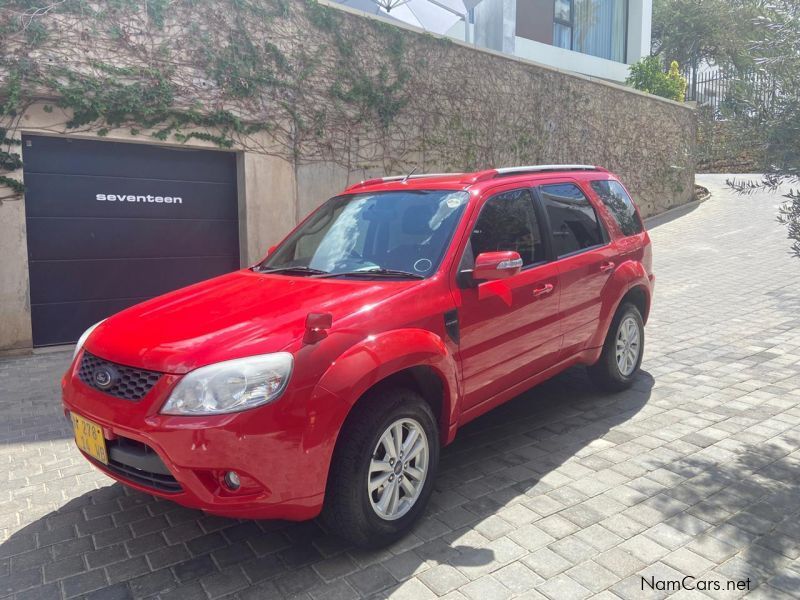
x=415 y=357
x=629 y=283
x=639 y=296
x=426 y=381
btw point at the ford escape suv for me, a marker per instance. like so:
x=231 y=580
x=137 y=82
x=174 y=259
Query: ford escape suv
x=326 y=378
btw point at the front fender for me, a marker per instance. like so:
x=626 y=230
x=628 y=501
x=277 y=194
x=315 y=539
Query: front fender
x=378 y=356
x=628 y=275
x=363 y=365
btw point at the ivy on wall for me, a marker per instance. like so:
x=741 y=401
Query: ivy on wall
x=10 y=160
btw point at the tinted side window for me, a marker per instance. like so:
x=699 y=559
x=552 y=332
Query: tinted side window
x=620 y=206
x=507 y=222
x=572 y=218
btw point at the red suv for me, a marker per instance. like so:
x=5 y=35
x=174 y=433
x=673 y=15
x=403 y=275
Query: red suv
x=326 y=378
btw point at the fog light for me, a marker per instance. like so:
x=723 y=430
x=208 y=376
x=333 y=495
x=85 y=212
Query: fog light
x=232 y=481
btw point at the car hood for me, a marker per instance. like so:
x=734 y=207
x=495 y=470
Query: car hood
x=232 y=316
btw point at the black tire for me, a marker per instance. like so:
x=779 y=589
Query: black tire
x=605 y=373
x=348 y=511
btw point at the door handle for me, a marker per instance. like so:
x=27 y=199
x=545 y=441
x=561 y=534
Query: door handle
x=607 y=267
x=542 y=290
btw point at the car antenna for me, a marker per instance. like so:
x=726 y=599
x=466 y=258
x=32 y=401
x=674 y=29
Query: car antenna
x=410 y=173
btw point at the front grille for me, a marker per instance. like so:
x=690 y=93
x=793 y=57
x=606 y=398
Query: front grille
x=127 y=383
x=163 y=483
x=139 y=463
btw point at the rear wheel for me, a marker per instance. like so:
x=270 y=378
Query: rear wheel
x=383 y=468
x=622 y=351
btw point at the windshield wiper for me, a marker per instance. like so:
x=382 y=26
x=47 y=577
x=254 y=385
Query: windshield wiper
x=377 y=271
x=296 y=269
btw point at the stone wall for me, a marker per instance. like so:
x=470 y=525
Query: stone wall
x=476 y=109
x=732 y=145
x=328 y=85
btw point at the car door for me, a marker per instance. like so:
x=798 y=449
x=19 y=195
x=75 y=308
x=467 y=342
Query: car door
x=508 y=328
x=584 y=257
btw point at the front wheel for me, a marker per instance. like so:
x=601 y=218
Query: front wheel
x=622 y=351
x=383 y=468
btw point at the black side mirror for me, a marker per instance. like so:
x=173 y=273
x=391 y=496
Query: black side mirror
x=465 y=280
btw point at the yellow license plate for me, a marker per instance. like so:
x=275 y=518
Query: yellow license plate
x=89 y=438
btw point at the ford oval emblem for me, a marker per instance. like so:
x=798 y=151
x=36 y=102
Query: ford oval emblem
x=105 y=378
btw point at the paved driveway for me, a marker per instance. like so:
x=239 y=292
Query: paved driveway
x=562 y=493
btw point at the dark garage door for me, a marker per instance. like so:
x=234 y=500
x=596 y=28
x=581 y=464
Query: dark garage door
x=111 y=224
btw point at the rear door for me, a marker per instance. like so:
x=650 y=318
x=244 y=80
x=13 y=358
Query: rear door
x=584 y=257
x=508 y=328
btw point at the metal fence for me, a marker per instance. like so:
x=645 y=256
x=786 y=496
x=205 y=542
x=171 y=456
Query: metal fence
x=732 y=93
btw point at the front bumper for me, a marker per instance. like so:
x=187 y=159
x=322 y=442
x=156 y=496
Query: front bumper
x=282 y=476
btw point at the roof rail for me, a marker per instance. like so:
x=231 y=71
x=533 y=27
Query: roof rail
x=376 y=180
x=503 y=171
x=479 y=176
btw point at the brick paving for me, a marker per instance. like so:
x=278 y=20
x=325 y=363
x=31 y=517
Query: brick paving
x=562 y=493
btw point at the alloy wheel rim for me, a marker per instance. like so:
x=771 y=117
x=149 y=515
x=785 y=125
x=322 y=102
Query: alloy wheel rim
x=628 y=346
x=398 y=469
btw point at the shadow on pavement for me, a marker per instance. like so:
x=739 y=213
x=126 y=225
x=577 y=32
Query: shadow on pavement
x=748 y=507
x=671 y=215
x=117 y=543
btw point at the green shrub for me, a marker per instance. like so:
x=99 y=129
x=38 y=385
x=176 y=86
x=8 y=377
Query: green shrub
x=648 y=75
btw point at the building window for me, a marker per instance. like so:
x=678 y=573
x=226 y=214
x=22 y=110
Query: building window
x=562 y=25
x=596 y=27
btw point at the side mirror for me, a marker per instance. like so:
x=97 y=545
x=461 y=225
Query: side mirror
x=490 y=266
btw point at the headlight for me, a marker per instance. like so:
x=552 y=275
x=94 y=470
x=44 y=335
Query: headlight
x=231 y=386
x=84 y=336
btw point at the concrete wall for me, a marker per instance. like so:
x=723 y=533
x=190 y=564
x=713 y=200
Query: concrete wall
x=270 y=202
x=640 y=26
x=15 y=310
x=462 y=109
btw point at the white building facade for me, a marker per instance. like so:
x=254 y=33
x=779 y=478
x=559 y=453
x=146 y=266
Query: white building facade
x=599 y=38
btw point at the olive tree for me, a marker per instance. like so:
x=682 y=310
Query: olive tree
x=777 y=52
x=698 y=32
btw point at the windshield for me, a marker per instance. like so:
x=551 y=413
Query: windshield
x=403 y=231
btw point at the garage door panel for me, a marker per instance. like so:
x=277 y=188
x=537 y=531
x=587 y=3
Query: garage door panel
x=71 y=281
x=70 y=156
x=56 y=323
x=102 y=234
x=85 y=196
x=70 y=239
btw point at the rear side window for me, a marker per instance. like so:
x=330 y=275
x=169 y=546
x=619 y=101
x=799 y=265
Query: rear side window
x=573 y=221
x=507 y=222
x=619 y=205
